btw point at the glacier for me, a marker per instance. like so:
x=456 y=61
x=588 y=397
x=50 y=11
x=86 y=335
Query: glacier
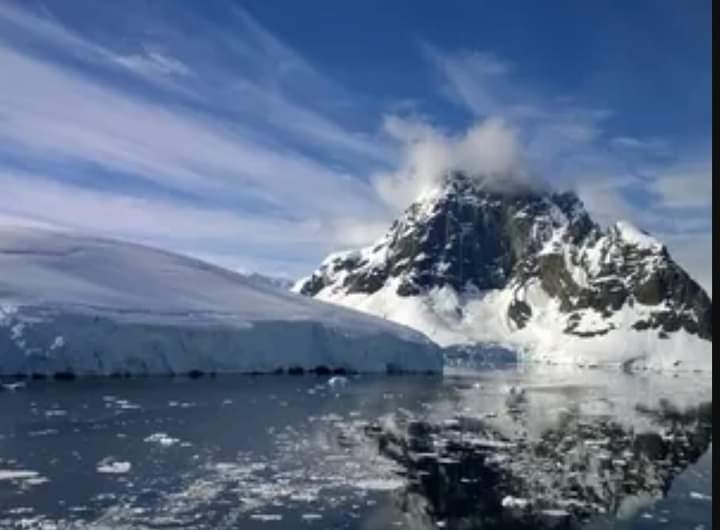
x=84 y=305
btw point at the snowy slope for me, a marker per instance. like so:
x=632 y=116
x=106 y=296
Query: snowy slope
x=528 y=271
x=75 y=303
x=261 y=280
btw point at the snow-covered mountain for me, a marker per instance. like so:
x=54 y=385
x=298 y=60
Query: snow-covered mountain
x=528 y=270
x=71 y=303
x=278 y=282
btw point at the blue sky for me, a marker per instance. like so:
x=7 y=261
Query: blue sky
x=263 y=134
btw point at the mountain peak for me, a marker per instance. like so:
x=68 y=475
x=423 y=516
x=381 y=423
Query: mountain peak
x=511 y=184
x=631 y=234
x=476 y=259
x=517 y=191
x=466 y=234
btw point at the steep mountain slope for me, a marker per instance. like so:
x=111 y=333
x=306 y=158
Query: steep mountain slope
x=527 y=270
x=85 y=305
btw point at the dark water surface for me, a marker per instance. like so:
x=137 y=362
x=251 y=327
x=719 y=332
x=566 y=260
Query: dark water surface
x=494 y=449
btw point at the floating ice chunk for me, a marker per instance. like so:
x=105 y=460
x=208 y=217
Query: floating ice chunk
x=380 y=484
x=14 y=386
x=36 y=481
x=18 y=474
x=512 y=503
x=700 y=496
x=162 y=439
x=266 y=517
x=114 y=467
x=556 y=513
x=59 y=342
x=338 y=381
x=126 y=405
x=44 y=432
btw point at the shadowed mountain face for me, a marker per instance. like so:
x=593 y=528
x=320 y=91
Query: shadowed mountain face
x=460 y=237
x=530 y=245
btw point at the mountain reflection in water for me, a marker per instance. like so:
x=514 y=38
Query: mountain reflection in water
x=515 y=448
x=531 y=462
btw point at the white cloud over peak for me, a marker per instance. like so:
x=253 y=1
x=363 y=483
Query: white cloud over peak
x=488 y=149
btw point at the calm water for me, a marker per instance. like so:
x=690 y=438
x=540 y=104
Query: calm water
x=295 y=452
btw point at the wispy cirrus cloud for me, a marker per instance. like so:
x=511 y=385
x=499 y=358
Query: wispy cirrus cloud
x=684 y=186
x=487 y=86
x=243 y=160
x=235 y=145
x=243 y=239
x=173 y=147
x=255 y=152
x=651 y=145
x=472 y=78
x=153 y=63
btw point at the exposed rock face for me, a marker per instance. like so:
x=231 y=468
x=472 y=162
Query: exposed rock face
x=621 y=270
x=461 y=236
x=513 y=251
